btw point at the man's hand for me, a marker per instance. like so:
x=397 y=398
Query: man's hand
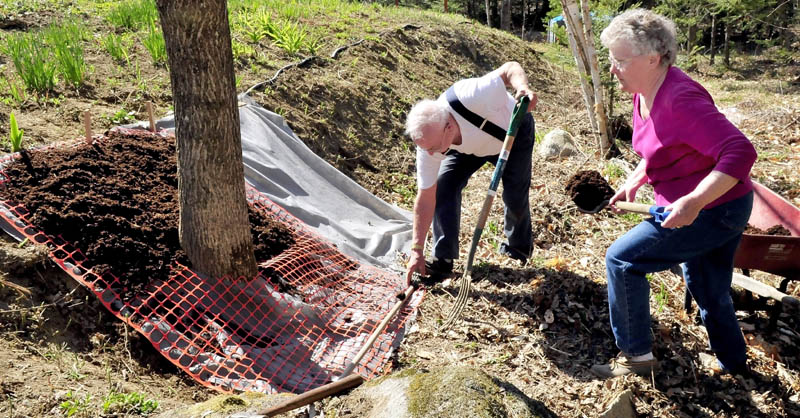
x=416 y=263
x=526 y=91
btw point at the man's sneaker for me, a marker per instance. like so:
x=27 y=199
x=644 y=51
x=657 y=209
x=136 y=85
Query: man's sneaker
x=438 y=270
x=622 y=365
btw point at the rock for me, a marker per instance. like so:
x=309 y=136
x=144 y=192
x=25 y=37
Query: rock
x=734 y=115
x=621 y=407
x=556 y=144
x=223 y=406
x=444 y=392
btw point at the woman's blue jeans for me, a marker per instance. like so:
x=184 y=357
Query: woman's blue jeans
x=706 y=249
x=454 y=173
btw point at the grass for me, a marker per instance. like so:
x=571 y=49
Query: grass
x=662 y=297
x=33 y=61
x=631 y=217
x=133 y=15
x=16 y=93
x=73 y=405
x=118 y=46
x=66 y=42
x=557 y=55
x=613 y=172
x=153 y=41
x=403 y=186
x=128 y=403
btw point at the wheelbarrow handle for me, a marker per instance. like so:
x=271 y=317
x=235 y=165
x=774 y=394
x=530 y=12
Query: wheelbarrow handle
x=658 y=212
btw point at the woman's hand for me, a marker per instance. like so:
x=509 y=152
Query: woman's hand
x=682 y=212
x=627 y=193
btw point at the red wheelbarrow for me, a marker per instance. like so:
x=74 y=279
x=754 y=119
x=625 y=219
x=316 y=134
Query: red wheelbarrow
x=779 y=255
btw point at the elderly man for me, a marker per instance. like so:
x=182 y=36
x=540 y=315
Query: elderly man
x=455 y=135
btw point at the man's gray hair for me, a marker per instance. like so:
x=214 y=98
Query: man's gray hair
x=424 y=112
x=648 y=32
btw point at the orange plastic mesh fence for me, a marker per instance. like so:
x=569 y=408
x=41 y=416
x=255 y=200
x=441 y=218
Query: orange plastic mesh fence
x=246 y=335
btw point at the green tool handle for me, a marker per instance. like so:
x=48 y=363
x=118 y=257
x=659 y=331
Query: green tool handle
x=520 y=109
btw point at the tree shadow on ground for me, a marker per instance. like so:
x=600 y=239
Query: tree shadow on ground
x=61 y=313
x=571 y=312
x=534 y=406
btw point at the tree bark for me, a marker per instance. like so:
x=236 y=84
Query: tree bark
x=726 y=45
x=599 y=104
x=713 y=32
x=692 y=38
x=505 y=15
x=214 y=227
x=574 y=36
x=488 y=13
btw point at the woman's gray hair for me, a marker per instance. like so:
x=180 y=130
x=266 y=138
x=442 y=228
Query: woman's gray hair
x=424 y=112
x=648 y=32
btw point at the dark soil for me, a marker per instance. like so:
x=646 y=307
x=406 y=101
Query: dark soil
x=775 y=230
x=620 y=128
x=588 y=189
x=117 y=201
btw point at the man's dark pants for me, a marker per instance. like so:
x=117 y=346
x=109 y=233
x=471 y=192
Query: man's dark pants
x=454 y=173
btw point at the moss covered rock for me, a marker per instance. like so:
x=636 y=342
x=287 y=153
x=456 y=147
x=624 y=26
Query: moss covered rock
x=446 y=392
x=224 y=406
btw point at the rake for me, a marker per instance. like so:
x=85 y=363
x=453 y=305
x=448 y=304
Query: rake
x=520 y=109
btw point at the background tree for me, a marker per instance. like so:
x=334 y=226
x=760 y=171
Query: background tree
x=214 y=227
x=505 y=15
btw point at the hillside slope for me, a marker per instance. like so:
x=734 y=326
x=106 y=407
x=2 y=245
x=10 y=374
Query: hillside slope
x=539 y=326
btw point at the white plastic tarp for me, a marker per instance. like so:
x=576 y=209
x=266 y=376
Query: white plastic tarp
x=280 y=165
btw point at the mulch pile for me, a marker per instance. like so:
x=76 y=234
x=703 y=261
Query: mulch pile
x=775 y=230
x=117 y=201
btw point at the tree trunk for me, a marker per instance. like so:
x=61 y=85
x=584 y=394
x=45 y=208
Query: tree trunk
x=488 y=13
x=692 y=38
x=713 y=32
x=726 y=45
x=214 y=227
x=574 y=36
x=524 y=18
x=505 y=15
x=604 y=139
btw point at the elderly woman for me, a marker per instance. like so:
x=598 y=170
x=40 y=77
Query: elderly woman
x=698 y=164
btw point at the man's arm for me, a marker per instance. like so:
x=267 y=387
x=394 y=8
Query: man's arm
x=424 y=206
x=514 y=76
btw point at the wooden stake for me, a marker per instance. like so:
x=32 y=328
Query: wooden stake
x=87 y=126
x=149 y=106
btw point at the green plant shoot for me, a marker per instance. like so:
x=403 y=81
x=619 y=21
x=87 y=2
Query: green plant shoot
x=15 y=134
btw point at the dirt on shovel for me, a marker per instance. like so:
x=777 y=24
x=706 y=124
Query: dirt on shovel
x=589 y=190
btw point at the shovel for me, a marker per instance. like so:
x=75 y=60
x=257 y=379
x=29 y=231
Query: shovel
x=658 y=212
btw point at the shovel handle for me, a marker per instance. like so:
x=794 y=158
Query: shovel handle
x=656 y=211
x=633 y=207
